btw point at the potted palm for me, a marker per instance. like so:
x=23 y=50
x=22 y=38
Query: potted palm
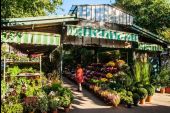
x=142 y=93
x=151 y=91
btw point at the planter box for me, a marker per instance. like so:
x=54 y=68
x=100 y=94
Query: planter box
x=167 y=90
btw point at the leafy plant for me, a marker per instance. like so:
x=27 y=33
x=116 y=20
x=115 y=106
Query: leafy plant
x=163 y=78
x=14 y=108
x=136 y=98
x=55 y=87
x=47 y=89
x=31 y=106
x=30 y=91
x=3 y=87
x=128 y=100
x=65 y=101
x=54 y=102
x=28 y=70
x=14 y=71
x=142 y=93
x=43 y=103
x=150 y=89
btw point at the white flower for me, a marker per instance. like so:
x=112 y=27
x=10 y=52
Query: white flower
x=52 y=93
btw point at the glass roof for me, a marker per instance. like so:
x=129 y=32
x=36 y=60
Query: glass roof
x=102 y=12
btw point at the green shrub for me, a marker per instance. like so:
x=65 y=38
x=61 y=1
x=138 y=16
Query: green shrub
x=136 y=97
x=150 y=89
x=128 y=100
x=142 y=93
x=129 y=93
x=56 y=87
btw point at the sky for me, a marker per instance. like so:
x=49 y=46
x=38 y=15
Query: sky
x=66 y=6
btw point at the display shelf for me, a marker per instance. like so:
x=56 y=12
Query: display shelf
x=20 y=62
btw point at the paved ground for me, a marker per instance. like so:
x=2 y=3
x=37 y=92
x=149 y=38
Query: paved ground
x=86 y=102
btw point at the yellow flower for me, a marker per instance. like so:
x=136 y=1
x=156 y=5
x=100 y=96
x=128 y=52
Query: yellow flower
x=121 y=61
x=109 y=75
x=111 y=63
x=103 y=79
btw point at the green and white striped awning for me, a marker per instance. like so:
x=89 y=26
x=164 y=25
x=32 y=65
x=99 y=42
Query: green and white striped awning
x=150 y=47
x=38 y=38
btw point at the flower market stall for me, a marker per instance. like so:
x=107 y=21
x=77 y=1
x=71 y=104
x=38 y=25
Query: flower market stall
x=119 y=57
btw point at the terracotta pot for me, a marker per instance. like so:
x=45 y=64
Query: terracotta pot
x=55 y=111
x=167 y=90
x=142 y=101
x=162 y=90
x=149 y=99
x=66 y=109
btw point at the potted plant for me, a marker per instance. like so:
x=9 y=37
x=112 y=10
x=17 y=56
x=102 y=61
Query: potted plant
x=136 y=99
x=151 y=90
x=163 y=79
x=14 y=108
x=43 y=104
x=30 y=106
x=128 y=101
x=65 y=102
x=54 y=103
x=142 y=93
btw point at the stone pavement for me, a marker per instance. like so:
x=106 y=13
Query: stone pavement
x=86 y=102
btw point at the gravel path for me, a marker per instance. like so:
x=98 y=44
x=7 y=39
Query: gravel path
x=86 y=102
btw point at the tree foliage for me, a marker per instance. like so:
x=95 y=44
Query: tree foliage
x=153 y=15
x=28 y=8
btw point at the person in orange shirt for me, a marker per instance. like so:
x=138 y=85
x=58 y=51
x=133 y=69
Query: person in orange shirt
x=79 y=77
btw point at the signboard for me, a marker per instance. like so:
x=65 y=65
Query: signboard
x=84 y=31
x=150 y=47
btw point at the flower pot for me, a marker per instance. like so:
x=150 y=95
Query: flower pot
x=167 y=90
x=67 y=109
x=149 y=99
x=55 y=111
x=162 y=90
x=142 y=101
